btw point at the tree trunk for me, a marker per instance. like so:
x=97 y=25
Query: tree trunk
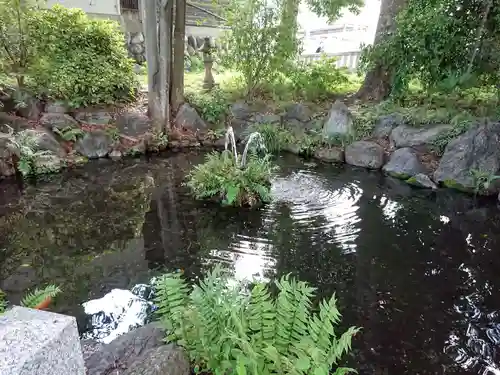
x=165 y=41
x=149 y=17
x=178 y=69
x=377 y=84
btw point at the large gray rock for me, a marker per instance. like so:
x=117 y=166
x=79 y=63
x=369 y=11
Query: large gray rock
x=34 y=342
x=31 y=108
x=56 y=107
x=133 y=124
x=422 y=180
x=240 y=111
x=15 y=122
x=187 y=118
x=260 y=118
x=298 y=111
x=122 y=352
x=403 y=164
x=476 y=150
x=47 y=164
x=330 y=155
x=8 y=153
x=93 y=116
x=58 y=121
x=386 y=124
x=94 y=145
x=409 y=136
x=165 y=360
x=338 y=122
x=44 y=140
x=365 y=154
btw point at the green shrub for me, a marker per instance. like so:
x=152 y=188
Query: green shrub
x=275 y=137
x=32 y=299
x=223 y=178
x=319 y=79
x=212 y=106
x=227 y=330
x=80 y=60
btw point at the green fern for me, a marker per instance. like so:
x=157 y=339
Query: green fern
x=3 y=302
x=32 y=299
x=227 y=330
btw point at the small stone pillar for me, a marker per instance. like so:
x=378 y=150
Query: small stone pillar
x=34 y=342
x=208 y=81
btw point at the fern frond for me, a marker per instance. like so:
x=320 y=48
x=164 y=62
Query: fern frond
x=36 y=297
x=171 y=299
x=261 y=315
x=3 y=302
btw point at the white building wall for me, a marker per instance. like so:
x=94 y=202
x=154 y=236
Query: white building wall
x=98 y=7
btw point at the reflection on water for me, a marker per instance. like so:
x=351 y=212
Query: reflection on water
x=417 y=270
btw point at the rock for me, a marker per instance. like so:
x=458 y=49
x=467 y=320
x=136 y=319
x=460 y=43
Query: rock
x=187 y=118
x=115 y=155
x=165 y=360
x=16 y=123
x=365 y=154
x=385 y=124
x=31 y=109
x=133 y=124
x=137 y=38
x=58 y=121
x=35 y=342
x=292 y=148
x=298 y=111
x=44 y=140
x=94 y=145
x=421 y=180
x=409 y=136
x=93 y=117
x=260 y=118
x=89 y=347
x=56 y=107
x=403 y=164
x=47 y=164
x=330 y=155
x=240 y=111
x=338 y=122
x=8 y=154
x=122 y=352
x=475 y=150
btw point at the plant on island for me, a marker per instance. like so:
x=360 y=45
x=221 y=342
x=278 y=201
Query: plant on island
x=233 y=179
x=227 y=329
x=38 y=299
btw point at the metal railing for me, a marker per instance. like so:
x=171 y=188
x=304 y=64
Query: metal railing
x=348 y=60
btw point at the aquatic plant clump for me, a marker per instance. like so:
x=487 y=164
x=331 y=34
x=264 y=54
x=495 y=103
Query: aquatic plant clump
x=222 y=177
x=228 y=329
x=234 y=181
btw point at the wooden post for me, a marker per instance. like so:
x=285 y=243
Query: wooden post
x=149 y=16
x=165 y=53
x=179 y=54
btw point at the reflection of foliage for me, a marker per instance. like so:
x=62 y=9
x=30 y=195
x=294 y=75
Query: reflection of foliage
x=223 y=328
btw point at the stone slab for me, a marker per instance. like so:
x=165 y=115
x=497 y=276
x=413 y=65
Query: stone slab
x=35 y=342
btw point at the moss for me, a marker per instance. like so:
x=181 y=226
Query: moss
x=452 y=184
x=401 y=176
x=412 y=181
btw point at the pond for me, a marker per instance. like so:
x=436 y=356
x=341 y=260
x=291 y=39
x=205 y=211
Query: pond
x=417 y=270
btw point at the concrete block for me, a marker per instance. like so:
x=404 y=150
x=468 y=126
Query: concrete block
x=34 y=342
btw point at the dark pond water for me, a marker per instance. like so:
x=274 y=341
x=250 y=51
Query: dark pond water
x=418 y=270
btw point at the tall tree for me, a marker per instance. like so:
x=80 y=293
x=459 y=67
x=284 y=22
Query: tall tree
x=377 y=84
x=178 y=68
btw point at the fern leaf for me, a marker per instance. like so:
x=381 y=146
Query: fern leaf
x=38 y=296
x=3 y=302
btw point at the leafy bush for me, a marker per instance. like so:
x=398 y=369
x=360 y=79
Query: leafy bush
x=318 y=79
x=223 y=178
x=256 y=49
x=275 y=137
x=80 y=60
x=17 y=48
x=227 y=330
x=212 y=106
x=33 y=299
